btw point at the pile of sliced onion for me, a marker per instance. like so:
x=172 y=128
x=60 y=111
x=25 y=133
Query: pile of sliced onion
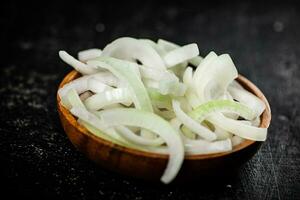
x=163 y=98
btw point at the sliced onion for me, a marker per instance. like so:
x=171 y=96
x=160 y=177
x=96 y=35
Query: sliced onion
x=192 y=124
x=130 y=49
x=206 y=109
x=97 y=86
x=247 y=98
x=238 y=128
x=113 y=96
x=126 y=72
x=93 y=120
x=76 y=64
x=131 y=136
x=150 y=121
x=181 y=54
x=89 y=54
x=214 y=76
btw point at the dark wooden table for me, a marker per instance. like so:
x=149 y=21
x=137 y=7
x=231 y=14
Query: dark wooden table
x=38 y=161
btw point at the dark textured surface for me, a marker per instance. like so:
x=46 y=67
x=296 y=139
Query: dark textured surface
x=38 y=161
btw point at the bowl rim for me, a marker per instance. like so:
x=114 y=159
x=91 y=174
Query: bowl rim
x=248 y=85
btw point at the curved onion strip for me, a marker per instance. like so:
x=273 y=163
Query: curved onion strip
x=97 y=86
x=158 y=48
x=81 y=84
x=131 y=136
x=192 y=124
x=76 y=64
x=238 y=128
x=93 y=120
x=166 y=45
x=194 y=147
x=113 y=96
x=89 y=54
x=214 y=76
x=248 y=99
x=126 y=72
x=181 y=54
x=156 y=124
x=130 y=49
x=206 y=109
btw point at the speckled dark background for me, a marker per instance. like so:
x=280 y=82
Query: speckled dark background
x=37 y=160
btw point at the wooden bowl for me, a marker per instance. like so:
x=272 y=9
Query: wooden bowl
x=150 y=166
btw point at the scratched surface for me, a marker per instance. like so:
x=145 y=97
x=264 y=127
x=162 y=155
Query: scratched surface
x=38 y=161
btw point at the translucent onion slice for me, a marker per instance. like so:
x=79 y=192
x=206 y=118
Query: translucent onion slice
x=131 y=136
x=99 y=133
x=113 y=96
x=89 y=54
x=131 y=49
x=81 y=84
x=126 y=71
x=248 y=99
x=72 y=99
x=238 y=128
x=196 y=147
x=158 y=48
x=192 y=124
x=217 y=106
x=214 y=77
x=169 y=46
x=160 y=100
x=97 y=86
x=181 y=54
x=166 y=45
x=76 y=64
x=205 y=147
x=156 y=124
x=94 y=121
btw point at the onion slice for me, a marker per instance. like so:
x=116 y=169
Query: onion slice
x=192 y=124
x=150 y=121
x=130 y=49
x=76 y=64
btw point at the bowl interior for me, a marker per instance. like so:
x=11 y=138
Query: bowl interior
x=265 y=121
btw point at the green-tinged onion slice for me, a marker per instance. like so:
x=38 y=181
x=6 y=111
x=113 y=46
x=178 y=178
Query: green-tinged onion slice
x=219 y=106
x=154 y=123
x=126 y=71
x=192 y=124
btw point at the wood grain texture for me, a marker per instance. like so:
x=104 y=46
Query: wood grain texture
x=150 y=166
